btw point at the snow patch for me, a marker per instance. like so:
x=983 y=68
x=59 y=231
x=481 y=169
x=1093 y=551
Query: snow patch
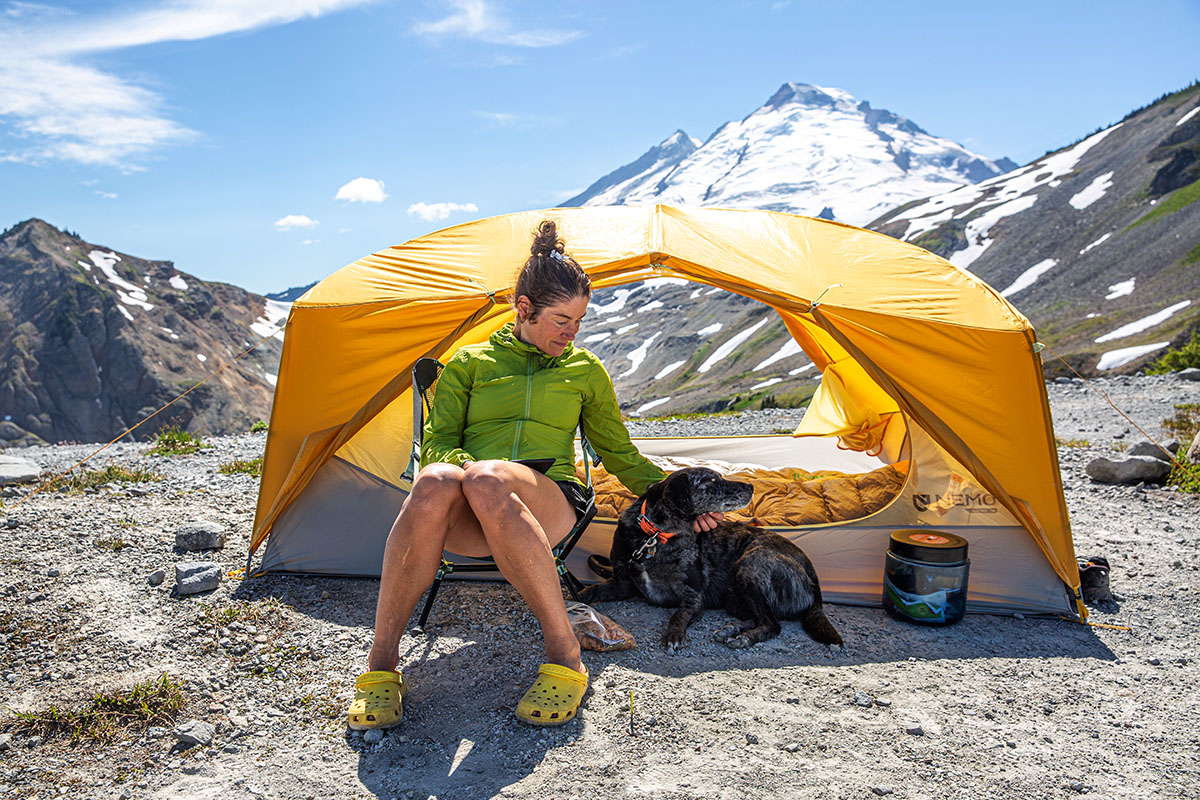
x=201 y=357
x=272 y=378
x=790 y=348
x=1187 y=116
x=668 y=369
x=1120 y=289
x=597 y=337
x=128 y=293
x=647 y=406
x=1029 y=277
x=1092 y=192
x=1145 y=323
x=805 y=368
x=731 y=345
x=768 y=382
x=614 y=305
x=978 y=229
x=1096 y=243
x=1117 y=358
x=125 y=313
x=638 y=355
x=626 y=328
x=85 y=265
x=178 y=283
x=710 y=330
x=275 y=313
x=653 y=304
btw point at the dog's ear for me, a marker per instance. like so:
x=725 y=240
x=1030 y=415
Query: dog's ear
x=677 y=496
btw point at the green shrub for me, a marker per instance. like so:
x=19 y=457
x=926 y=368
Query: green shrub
x=252 y=467
x=1072 y=442
x=1186 y=422
x=258 y=426
x=92 y=479
x=152 y=702
x=1185 y=476
x=173 y=441
x=1178 y=358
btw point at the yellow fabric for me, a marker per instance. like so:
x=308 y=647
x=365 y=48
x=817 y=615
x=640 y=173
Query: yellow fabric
x=922 y=337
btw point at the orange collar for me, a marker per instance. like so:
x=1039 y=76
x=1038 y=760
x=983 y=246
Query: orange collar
x=650 y=529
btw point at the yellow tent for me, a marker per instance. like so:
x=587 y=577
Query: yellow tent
x=920 y=360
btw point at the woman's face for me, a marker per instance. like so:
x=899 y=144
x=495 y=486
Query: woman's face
x=554 y=328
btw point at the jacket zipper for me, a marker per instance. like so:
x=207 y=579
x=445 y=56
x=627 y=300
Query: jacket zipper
x=528 y=400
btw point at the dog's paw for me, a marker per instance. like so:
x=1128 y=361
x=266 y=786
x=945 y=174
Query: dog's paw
x=721 y=635
x=672 y=640
x=738 y=642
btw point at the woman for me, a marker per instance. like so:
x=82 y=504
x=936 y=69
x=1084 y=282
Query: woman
x=520 y=395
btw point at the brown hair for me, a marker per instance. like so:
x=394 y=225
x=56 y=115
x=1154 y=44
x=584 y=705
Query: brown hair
x=549 y=275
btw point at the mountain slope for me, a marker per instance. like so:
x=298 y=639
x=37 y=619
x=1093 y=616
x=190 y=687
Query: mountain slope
x=807 y=150
x=1097 y=243
x=92 y=341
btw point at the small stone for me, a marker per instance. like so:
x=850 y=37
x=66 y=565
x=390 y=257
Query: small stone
x=883 y=701
x=1189 y=374
x=194 y=577
x=1011 y=744
x=751 y=738
x=5 y=742
x=1018 y=615
x=52 y=573
x=1145 y=448
x=1076 y=786
x=1154 y=662
x=155 y=732
x=11 y=523
x=325 y=595
x=157 y=577
x=882 y=790
x=36 y=597
x=863 y=699
x=793 y=700
x=373 y=736
x=915 y=730
x=791 y=747
x=200 y=534
x=194 y=732
x=33 y=741
x=17 y=470
x=237 y=720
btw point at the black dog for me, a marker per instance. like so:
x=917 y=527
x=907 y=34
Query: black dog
x=758 y=576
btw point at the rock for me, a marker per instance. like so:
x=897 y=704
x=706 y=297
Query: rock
x=1154 y=662
x=156 y=577
x=193 y=577
x=200 y=534
x=1189 y=374
x=155 y=732
x=194 y=732
x=863 y=699
x=882 y=790
x=1130 y=470
x=1193 y=453
x=373 y=736
x=5 y=742
x=17 y=470
x=751 y=738
x=883 y=702
x=237 y=721
x=1062 y=379
x=791 y=747
x=915 y=730
x=52 y=573
x=1154 y=451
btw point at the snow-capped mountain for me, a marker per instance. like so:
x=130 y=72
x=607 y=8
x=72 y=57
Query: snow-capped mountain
x=807 y=150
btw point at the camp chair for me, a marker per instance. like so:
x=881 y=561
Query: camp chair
x=424 y=380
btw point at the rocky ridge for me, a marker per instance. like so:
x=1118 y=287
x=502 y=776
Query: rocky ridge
x=993 y=706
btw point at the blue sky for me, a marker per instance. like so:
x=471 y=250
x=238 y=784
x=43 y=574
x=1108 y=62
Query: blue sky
x=229 y=136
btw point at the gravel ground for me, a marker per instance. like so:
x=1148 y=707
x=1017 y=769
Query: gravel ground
x=993 y=706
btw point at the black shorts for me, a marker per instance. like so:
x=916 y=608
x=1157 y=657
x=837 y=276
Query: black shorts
x=576 y=495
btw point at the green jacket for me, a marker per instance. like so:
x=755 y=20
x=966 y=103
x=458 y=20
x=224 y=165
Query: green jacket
x=506 y=399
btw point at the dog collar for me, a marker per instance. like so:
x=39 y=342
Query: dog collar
x=650 y=529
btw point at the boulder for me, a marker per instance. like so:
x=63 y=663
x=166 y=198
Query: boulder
x=1193 y=453
x=17 y=470
x=194 y=732
x=193 y=577
x=200 y=534
x=1131 y=469
x=1189 y=374
x=1145 y=448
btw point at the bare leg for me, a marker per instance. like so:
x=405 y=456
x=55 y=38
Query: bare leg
x=521 y=513
x=414 y=551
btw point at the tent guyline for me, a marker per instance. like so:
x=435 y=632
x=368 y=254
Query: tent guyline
x=143 y=421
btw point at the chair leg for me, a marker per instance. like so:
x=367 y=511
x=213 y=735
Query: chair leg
x=433 y=590
x=572 y=583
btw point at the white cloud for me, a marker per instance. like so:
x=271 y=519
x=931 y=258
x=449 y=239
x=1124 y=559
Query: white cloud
x=106 y=195
x=362 y=190
x=307 y=242
x=67 y=111
x=295 y=221
x=501 y=119
x=431 y=212
x=475 y=19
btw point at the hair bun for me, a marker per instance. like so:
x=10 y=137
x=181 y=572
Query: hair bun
x=546 y=240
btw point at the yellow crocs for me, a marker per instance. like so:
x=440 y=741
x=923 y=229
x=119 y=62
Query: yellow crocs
x=554 y=697
x=377 y=700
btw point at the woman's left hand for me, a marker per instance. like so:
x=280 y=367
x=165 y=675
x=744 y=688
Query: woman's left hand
x=706 y=522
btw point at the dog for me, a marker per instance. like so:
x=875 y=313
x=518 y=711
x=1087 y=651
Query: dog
x=758 y=576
